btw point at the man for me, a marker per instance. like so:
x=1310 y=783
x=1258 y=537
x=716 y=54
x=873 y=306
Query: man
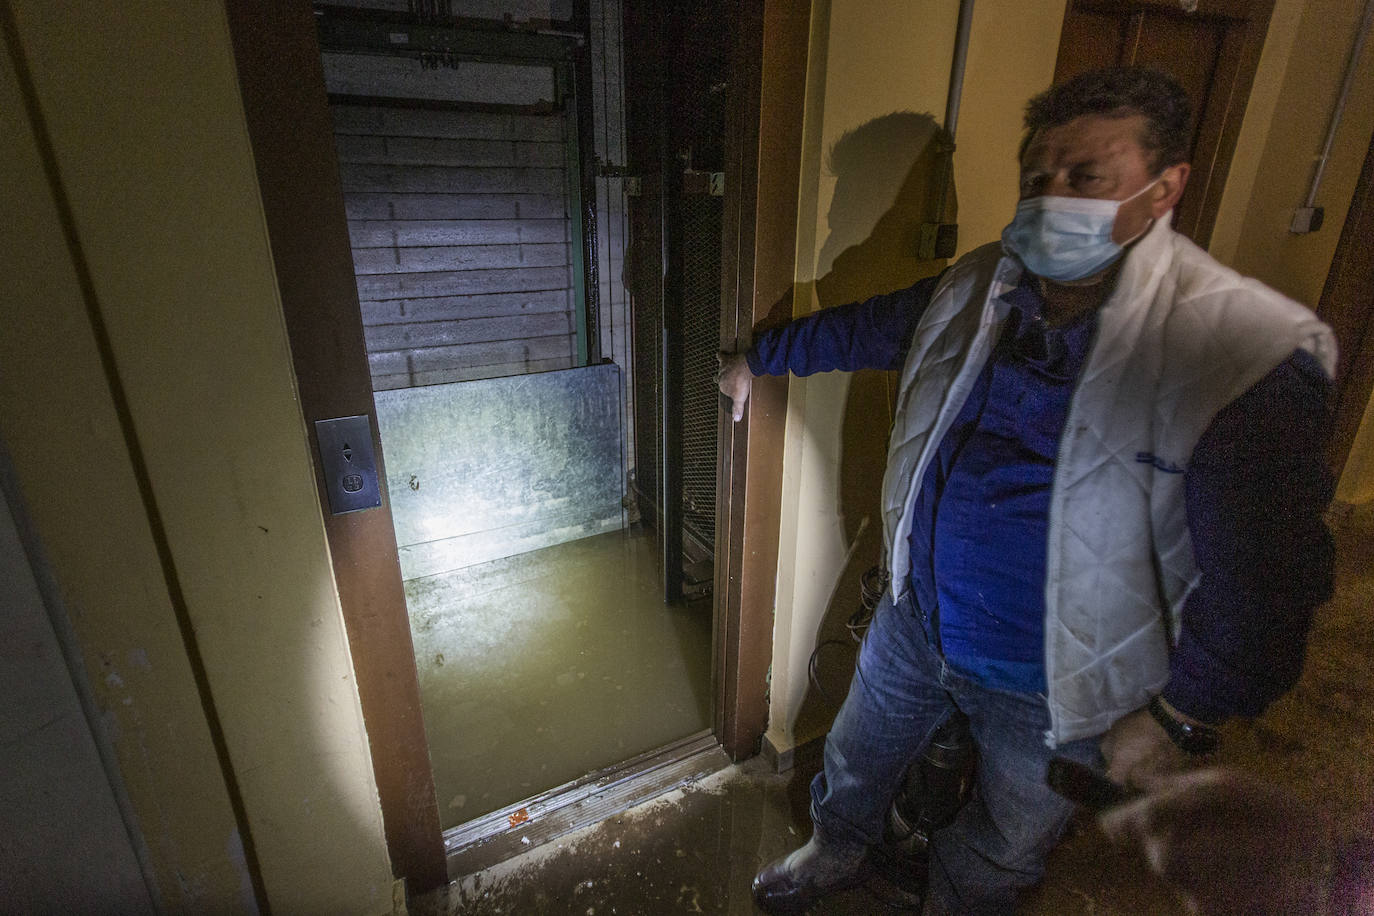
x=1102 y=503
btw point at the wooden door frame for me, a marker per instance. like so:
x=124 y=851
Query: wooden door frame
x=281 y=79
x=1347 y=304
x=763 y=172
x=1220 y=122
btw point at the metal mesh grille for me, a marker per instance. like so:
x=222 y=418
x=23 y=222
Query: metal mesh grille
x=701 y=228
x=677 y=140
x=699 y=111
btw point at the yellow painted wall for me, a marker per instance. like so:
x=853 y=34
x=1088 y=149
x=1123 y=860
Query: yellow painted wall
x=150 y=143
x=1357 y=483
x=1296 y=87
x=1011 y=57
x=55 y=413
x=878 y=78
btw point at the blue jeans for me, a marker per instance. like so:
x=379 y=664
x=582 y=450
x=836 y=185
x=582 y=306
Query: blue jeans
x=901 y=693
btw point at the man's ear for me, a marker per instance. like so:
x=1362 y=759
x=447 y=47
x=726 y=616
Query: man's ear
x=1169 y=189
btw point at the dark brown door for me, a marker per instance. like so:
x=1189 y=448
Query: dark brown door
x=1212 y=51
x=1347 y=304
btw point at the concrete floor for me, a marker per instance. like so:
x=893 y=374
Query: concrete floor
x=540 y=668
x=696 y=850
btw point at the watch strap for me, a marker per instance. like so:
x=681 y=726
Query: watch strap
x=1197 y=740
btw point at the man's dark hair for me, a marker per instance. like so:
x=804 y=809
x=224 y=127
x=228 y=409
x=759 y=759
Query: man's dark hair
x=1120 y=92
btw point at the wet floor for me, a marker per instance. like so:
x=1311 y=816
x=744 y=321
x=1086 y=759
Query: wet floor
x=696 y=850
x=537 y=669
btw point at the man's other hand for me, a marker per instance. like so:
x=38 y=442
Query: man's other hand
x=1228 y=843
x=735 y=379
x=1138 y=748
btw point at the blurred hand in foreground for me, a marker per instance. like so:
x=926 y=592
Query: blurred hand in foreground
x=1230 y=843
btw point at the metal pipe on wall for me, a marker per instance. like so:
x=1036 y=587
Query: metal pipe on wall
x=1339 y=111
x=939 y=239
x=1307 y=217
x=956 y=67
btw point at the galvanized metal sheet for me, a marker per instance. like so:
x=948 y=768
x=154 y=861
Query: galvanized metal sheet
x=491 y=468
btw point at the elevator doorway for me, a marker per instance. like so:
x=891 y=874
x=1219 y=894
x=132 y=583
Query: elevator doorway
x=561 y=623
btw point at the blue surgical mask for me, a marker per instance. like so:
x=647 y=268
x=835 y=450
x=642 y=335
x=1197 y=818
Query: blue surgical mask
x=1065 y=238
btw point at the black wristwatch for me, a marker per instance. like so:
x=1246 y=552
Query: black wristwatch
x=1197 y=740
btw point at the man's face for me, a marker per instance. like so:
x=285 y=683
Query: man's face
x=1100 y=156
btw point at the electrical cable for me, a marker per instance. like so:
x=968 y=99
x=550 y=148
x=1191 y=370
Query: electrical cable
x=815 y=678
x=872 y=585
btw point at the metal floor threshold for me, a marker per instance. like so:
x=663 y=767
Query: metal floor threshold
x=518 y=828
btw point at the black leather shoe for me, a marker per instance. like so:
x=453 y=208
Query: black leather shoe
x=794 y=883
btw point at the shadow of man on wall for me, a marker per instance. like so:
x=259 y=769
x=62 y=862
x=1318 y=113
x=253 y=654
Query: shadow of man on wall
x=893 y=174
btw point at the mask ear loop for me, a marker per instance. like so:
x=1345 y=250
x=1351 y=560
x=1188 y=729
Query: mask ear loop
x=1149 y=225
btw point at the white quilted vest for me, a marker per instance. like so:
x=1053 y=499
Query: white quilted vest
x=1180 y=338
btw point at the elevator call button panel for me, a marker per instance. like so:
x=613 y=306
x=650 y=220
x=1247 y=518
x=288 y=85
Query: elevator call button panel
x=350 y=467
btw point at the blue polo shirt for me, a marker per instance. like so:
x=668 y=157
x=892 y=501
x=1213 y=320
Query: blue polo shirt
x=978 y=531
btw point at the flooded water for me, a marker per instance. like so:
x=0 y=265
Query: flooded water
x=537 y=669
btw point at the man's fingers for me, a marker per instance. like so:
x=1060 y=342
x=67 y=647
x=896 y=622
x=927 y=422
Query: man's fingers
x=738 y=398
x=1126 y=823
x=1177 y=804
x=734 y=380
x=1150 y=825
x=1137 y=748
